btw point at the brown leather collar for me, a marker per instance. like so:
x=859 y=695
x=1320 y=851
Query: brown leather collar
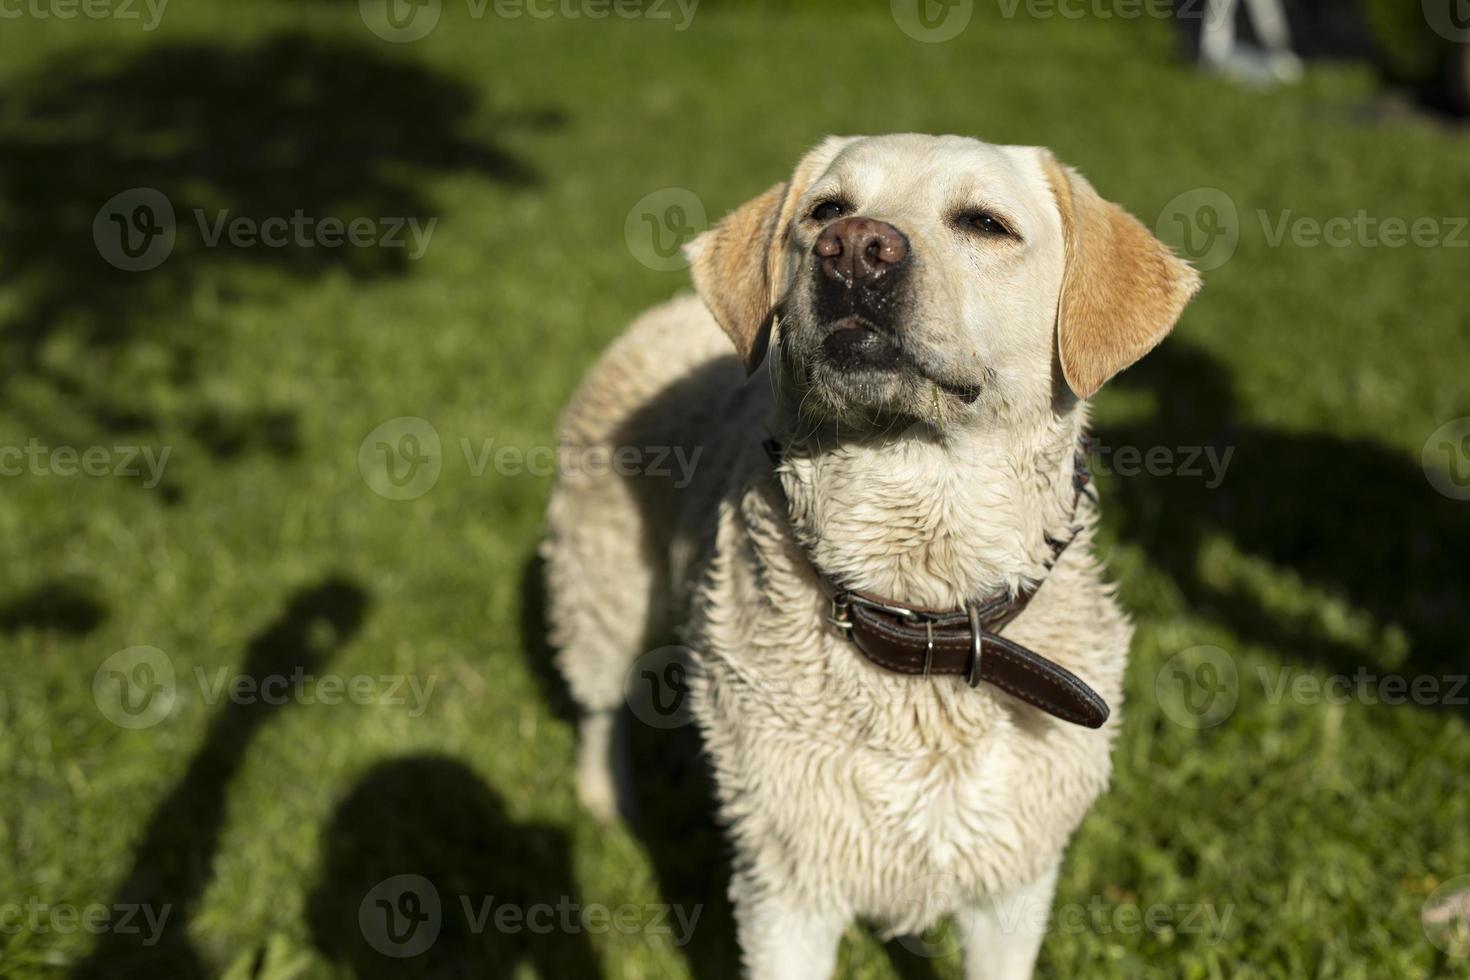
x=908 y=639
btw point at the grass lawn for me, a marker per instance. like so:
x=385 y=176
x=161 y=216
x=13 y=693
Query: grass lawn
x=1287 y=837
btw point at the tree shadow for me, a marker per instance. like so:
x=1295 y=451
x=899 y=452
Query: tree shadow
x=103 y=160
x=173 y=862
x=1347 y=518
x=58 y=606
x=426 y=875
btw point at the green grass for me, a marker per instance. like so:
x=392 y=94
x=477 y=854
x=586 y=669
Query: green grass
x=1319 y=829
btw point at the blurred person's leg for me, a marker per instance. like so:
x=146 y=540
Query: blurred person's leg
x=1269 y=61
x=1217 y=36
x=1268 y=18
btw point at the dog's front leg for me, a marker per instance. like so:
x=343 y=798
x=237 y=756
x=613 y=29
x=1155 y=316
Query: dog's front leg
x=604 y=765
x=1002 y=935
x=781 y=939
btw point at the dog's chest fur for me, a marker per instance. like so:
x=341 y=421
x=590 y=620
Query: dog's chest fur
x=900 y=798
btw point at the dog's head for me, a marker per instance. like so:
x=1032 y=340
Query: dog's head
x=917 y=275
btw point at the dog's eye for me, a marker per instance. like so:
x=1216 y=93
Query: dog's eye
x=986 y=223
x=828 y=210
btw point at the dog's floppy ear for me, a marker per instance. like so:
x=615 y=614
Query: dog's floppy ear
x=731 y=265
x=1122 y=289
x=737 y=264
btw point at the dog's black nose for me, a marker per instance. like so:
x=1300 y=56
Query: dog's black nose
x=856 y=251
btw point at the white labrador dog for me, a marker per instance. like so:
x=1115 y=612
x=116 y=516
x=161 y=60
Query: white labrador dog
x=903 y=650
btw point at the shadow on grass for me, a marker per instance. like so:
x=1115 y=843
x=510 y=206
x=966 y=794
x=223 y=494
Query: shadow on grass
x=425 y=875
x=1350 y=518
x=174 y=861
x=58 y=606
x=191 y=135
x=674 y=797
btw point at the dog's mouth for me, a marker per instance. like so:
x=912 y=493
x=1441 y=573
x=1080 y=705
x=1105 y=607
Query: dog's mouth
x=854 y=343
x=858 y=347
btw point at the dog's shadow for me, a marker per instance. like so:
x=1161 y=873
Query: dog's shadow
x=675 y=817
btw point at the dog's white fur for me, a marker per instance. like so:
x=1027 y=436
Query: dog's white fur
x=851 y=792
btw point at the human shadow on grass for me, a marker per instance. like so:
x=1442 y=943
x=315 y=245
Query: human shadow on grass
x=173 y=863
x=109 y=160
x=426 y=875
x=1350 y=517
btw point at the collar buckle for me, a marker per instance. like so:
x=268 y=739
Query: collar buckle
x=977 y=646
x=838 y=618
x=868 y=602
